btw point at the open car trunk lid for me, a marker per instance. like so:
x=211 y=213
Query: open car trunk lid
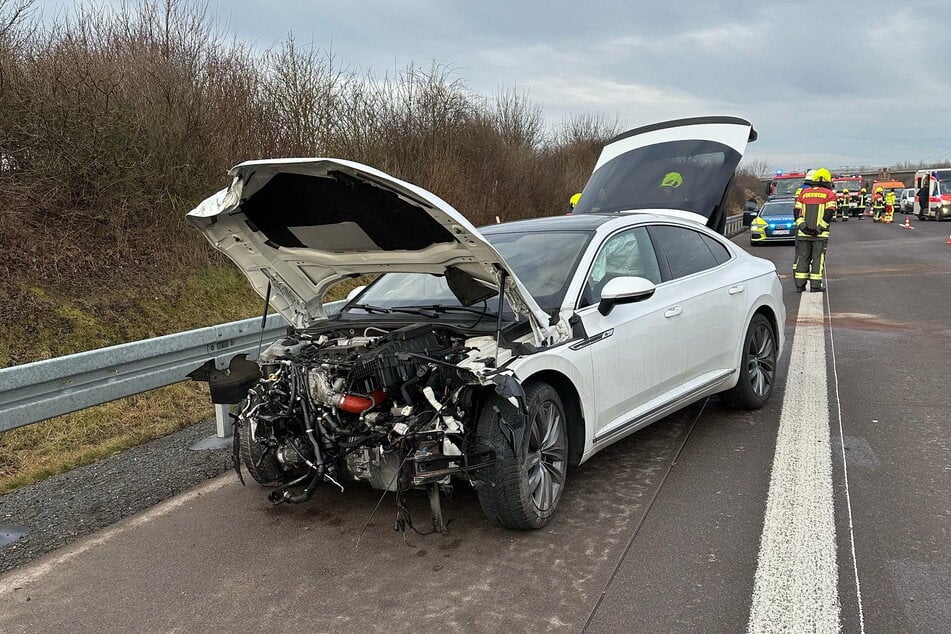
x=304 y=224
x=682 y=167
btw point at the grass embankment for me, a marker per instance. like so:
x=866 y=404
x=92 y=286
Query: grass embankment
x=57 y=322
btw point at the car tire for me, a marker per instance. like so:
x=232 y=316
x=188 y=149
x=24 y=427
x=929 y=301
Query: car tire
x=261 y=464
x=522 y=489
x=757 y=367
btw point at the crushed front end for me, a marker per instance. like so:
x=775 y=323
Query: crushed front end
x=394 y=408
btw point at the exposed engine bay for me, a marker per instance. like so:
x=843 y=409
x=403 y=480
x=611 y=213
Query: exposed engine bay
x=394 y=408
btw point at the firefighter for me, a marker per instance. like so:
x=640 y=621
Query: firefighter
x=863 y=202
x=878 y=204
x=806 y=182
x=814 y=208
x=843 y=206
x=889 y=206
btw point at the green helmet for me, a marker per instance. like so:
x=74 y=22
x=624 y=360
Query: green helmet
x=672 y=179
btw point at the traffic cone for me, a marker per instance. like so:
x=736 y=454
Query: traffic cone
x=907 y=224
x=949 y=240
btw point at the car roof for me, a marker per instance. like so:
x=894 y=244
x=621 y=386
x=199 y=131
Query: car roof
x=581 y=222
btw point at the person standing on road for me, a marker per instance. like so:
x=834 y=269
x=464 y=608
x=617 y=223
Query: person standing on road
x=842 y=207
x=815 y=206
x=924 y=197
x=878 y=204
x=863 y=202
x=889 y=206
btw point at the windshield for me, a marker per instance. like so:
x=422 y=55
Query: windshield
x=943 y=182
x=777 y=209
x=852 y=186
x=786 y=186
x=543 y=261
x=691 y=175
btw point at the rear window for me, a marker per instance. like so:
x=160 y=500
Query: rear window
x=689 y=175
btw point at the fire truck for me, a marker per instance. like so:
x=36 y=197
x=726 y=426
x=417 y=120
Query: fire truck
x=854 y=184
x=784 y=185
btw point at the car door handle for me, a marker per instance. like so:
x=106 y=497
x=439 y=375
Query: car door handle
x=673 y=312
x=735 y=290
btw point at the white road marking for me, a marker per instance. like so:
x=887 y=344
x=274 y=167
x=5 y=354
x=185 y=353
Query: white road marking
x=796 y=584
x=35 y=572
x=845 y=466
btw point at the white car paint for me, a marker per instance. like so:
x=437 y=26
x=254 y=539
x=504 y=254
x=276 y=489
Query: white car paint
x=623 y=388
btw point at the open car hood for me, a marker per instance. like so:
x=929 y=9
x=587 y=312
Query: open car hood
x=682 y=167
x=304 y=224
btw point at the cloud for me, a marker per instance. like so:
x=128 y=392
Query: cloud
x=866 y=83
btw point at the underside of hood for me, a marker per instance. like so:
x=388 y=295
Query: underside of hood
x=302 y=225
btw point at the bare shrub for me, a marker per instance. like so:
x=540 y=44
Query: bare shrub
x=116 y=122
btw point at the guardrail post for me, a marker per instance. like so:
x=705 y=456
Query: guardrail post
x=223 y=420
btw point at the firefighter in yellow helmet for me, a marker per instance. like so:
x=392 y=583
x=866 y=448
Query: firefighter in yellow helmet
x=878 y=204
x=814 y=208
x=890 y=202
x=842 y=207
x=863 y=202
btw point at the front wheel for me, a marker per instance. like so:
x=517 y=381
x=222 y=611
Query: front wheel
x=522 y=489
x=757 y=367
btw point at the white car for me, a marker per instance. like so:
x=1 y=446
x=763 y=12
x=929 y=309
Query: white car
x=610 y=319
x=906 y=203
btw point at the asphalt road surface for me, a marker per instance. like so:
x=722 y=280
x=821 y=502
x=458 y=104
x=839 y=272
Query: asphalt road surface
x=828 y=509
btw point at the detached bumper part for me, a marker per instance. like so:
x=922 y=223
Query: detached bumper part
x=229 y=386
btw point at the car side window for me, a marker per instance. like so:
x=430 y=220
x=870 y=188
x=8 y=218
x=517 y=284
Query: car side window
x=626 y=254
x=720 y=252
x=683 y=250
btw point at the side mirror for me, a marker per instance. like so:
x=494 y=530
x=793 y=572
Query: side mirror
x=353 y=293
x=624 y=290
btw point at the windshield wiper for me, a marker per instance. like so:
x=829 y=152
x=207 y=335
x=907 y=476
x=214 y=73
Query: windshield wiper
x=410 y=310
x=370 y=308
x=444 y=308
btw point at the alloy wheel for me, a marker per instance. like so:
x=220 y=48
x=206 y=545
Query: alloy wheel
x=546 y=455
x=761 y=360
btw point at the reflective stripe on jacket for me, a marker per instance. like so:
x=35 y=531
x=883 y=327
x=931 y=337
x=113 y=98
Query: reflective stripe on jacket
x=814 y=208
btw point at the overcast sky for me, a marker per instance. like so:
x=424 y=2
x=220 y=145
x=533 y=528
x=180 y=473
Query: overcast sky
x=857 y=83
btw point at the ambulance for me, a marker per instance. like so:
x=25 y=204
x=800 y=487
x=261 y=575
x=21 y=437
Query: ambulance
x=939 y=188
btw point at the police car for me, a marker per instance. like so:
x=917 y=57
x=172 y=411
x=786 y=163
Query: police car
x=774 y=223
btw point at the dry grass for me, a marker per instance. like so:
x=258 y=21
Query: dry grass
x=208 y=295
x=35 y=452
x=56 y=322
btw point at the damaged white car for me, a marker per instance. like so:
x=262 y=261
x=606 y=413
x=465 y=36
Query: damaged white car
x=607 y=320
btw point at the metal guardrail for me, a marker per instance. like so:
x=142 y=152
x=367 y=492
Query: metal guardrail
x=37 y=391
x=734 y=226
